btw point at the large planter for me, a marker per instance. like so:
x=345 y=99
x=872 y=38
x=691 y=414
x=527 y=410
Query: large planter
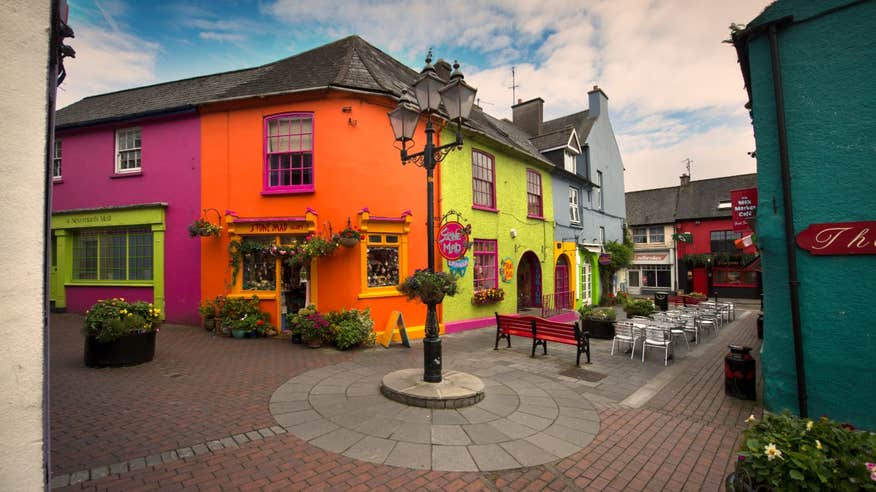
x=239 y=333
x=598 y=328
x=128 y=350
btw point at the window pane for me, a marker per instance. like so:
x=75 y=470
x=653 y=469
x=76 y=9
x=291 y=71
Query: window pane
x=112 y=256
x=485 y=271
x=85 y=256
x=664 y=279
x=482 y=179
x=259 y=270
x=382 y=266
x=634 y=278
x=140 y=256
x=639 y=235
x=290 y=145
x=655 y=234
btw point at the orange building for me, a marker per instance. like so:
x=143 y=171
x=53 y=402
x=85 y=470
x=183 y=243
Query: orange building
x=300 y=147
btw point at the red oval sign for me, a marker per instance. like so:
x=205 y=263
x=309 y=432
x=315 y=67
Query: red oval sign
x=604 y=259
x=452 y=240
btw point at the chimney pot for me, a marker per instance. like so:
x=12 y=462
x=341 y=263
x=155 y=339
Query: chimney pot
x=519 y=100
x=685 y=179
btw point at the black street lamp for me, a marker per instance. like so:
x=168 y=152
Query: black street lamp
x=458 y=98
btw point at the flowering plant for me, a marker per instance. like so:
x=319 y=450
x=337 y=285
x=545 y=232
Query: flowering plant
x=295 y=254
x=488 y=296
x=310 y=324
x=429 y=287
x=784 y=452
x=203 y=227
x=109 y=320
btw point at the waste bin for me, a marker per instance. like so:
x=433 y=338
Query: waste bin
x=740 y=373
x=661 y=300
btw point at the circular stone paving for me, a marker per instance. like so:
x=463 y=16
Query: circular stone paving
x=523 y=420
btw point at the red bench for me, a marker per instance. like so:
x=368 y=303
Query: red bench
x=541 y=331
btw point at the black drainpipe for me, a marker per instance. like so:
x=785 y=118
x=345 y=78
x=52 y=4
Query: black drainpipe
x=791 y=251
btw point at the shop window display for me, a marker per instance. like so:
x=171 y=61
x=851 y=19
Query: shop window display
x=383 y=260
x=259 y=271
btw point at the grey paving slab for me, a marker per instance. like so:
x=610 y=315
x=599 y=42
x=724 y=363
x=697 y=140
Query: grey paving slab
x=501 y=405
x=59 y=481
x=579 y=413
x=117 y=468
x=79 y=476
x=452 y=458
x=288 y=406
x=410 y=455
x=485 y=433
x=553 y=445
x=379 y=426
x=370 y=448
x=512 y=429
x=312 y=429
x=99 y=472
x=491 y=457
x=291 y=419
x=477 y=415
x=579 y=437
x=447 y=417
x=529 y=420
x=351 y=420
x=338 y=440
x=584 y=425
x=526 y=453
x=415 y=414
x=413 y=432
x=550 y=412
x=138 y=463
x=328 y=389
x=449 y=435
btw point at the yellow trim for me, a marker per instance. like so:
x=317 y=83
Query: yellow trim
x=263 y=295
x=570 y=250
x=399 y=227
x=374 y=295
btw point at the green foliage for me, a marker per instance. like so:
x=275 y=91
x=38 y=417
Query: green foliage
x=640 y=307
x=585 y=310
x=202 y=227
x=488 y=296
x=295 y=254
x=310 y=324
x=109 y=320
x=242 y=313
x=208 y=309
x=351 y=328
x=784 y=452
x=599 y=313
x=429 y=287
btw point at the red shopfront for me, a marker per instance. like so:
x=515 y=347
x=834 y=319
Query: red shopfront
x=708 y=259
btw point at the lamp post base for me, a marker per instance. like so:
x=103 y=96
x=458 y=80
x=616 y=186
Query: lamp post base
x=432 y=360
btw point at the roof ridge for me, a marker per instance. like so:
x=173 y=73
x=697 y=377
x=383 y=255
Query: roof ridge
x=566 y=116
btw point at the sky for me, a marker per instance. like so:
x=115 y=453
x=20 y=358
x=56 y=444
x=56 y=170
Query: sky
x=675 y=89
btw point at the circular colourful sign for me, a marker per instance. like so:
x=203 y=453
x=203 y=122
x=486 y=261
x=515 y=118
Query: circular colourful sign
x=452 y=240
x=604 y=259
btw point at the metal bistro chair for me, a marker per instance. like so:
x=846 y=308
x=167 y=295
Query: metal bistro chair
x=656 y=336
x=707 y=319
x=676 y=329
x=624 y=333
x=689 y=325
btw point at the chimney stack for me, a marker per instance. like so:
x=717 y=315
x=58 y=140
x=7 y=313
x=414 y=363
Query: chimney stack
x=685 y=179
x=529 y=115
x=598 y=102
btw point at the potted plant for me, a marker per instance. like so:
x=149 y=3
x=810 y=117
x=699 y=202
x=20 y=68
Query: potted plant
x=312 y=326
x=348 y=236
x=429 y=287
x=785 y=452
x=208 y=311
x=203 y=228
x=118 y=333
x=598 y=321
x=488 y=296
x=351 y=328
x=639 y=307
x=233 y=310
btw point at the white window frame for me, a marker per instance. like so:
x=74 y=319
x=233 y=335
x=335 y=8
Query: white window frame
x=601 y=235
x=662 y=234
x=597 y=195
x=124 y=132
x=574 y=206
x=56 y=160
x=586 y=282
x=639 y=233
x=570 y=162
x=724 y=205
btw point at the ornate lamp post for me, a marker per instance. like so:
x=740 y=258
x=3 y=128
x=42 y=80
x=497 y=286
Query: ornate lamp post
x=458 y=98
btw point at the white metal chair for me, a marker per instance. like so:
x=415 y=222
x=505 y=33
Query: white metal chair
x=624 y=333
x=708 y=319
x=656 y=337
x=676 y=329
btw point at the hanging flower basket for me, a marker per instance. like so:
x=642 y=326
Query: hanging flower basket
x=204 y=228
x=349 y=236
x=429 y=287
x=348 y=242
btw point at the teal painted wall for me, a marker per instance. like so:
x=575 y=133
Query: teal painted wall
x=532 y=235
x=829 y=76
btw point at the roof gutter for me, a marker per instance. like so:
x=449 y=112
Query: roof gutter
x=298 y=91
x=146 y=114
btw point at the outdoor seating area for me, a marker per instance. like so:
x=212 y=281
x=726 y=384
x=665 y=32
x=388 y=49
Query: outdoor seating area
x=667 y=330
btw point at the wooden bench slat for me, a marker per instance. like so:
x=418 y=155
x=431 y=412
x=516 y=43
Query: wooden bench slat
x=541 y=331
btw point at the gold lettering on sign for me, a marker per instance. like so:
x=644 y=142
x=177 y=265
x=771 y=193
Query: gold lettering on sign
x=826 y=237
x=859 y=241
x=277 y=226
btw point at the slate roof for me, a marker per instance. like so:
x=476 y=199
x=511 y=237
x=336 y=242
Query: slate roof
x=505 y=132
x=349 y=63
x=580 y=121
x=649 y=207
x=699 y=199
x=696 y=200
x=552 y=140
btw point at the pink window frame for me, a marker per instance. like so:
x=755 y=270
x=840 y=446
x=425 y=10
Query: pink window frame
x=533 y=177
x=492 y=206
x=266 y=165
x=494 y=252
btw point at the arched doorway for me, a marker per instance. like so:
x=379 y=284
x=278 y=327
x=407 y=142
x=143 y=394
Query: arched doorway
x=561 y=283
x=528 y=281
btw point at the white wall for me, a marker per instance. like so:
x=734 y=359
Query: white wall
x=24 y=40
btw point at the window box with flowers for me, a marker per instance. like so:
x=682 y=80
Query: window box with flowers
x=488 y=296
x=118 y=333
x=784 y=452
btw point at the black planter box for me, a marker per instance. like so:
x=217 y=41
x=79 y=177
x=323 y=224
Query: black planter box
x=599 y=328
x=128 y=350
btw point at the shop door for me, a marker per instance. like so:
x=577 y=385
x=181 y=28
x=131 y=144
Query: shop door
x=561 y=283
x=294 y=283
x=528 y=282
x=700 y=281
x=55 y=282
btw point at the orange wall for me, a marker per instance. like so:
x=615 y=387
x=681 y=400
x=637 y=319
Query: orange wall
x=355 y=166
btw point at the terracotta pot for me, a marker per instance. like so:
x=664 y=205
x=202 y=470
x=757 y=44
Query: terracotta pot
x=128 y=350
x=314 y=343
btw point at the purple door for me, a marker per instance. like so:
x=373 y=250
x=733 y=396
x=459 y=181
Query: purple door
x=561 y=283
x=528 y=281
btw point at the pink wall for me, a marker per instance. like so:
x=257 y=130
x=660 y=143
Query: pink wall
x=81 y=298
x=171 y=173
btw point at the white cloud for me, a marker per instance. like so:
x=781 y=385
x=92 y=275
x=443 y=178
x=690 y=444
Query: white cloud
x=106 y=61
x=221 y=36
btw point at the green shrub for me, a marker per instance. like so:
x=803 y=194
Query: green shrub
x=599 y=313
x=351 y=328
x=784 y=452
x=310 y=324
x=639 y=307
x=109 y=320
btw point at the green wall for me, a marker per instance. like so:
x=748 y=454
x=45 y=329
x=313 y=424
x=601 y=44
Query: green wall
x=532 y=235
x=828 y=71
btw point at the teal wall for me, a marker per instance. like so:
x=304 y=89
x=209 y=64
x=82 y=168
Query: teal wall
x=829 y=76
x=532 y=235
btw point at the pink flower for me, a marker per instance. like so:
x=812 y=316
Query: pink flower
x=872 y=468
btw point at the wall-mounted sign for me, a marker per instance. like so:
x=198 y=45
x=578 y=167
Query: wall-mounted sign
x=458 y=267
x=604 y=259
x=452 y=240
x=683 y=237
x=839 y=238
x=506 y=269
x=650 y=257
x=744 y=205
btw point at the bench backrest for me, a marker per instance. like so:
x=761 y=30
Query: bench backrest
x=540 y=325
